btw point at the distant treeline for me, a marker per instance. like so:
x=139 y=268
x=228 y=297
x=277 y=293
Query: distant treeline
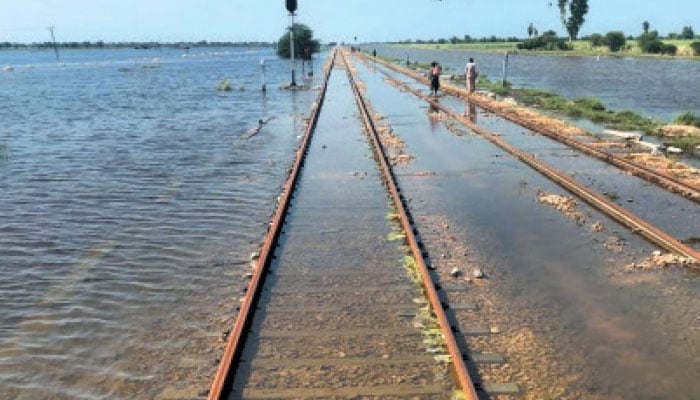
x=464 y=39
x=136 y=45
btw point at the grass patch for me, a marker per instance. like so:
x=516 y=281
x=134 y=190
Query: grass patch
x=588 y=108
x=500 y=88
x=224 y=86
x=688 y=118
x=685 y=142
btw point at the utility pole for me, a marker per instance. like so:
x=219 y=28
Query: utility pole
x=292 y=7
x=53 y=39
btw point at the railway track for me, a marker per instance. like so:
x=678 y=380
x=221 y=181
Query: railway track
x=656 y=177
x=340 y=303
x=597 y=200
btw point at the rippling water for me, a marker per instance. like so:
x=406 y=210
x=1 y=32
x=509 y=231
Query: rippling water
x=661 y=88
x=131 y=193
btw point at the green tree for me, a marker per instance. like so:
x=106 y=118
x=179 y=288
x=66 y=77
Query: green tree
x=696 y=48
x=615 y=40
x=530 y=30
x=645 y=27
x=303 y=39
x=572 y=15
x=687 y=32
x=597 y=39
x=649 y=42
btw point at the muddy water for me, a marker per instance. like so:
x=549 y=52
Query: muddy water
x=575 y=322
x=658 y=88
x=131 y=194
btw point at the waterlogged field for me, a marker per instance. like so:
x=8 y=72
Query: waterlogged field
x=658 y=88
x=132 y=193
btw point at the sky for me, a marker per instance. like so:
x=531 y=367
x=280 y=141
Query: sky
x=26 y=21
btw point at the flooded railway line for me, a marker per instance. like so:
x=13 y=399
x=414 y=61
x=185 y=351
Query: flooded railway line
x=341 y=302
x=689 y=255
x=338 y=305
x=672 y=183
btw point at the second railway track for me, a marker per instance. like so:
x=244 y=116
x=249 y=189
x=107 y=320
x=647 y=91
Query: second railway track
x=340 y=303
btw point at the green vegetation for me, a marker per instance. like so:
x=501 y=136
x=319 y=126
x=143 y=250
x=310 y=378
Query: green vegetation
x=594 y=110
x=548 y=41
x=583 y=47
x=685 y=142
x=585 y=108
x=573 y=14
x=304 y=43
x=695 y=46
x=500 y=88
x=688 y=118
x=224 y=86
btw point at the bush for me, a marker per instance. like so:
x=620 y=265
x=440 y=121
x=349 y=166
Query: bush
x=597 y=39
x=590 y=103
x=615 y=40
x=696 y=48
x=688 y=118
x=650 y=43
x=548 y=41
x=669 y=49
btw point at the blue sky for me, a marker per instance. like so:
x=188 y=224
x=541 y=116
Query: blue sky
x=331 y=20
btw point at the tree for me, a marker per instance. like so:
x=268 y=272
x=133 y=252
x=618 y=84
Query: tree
x=615 y=40
x=303 y=39
x=649 y=42
x=645 y=27
x=688 y=33
x=531 y=30
x=597 y=39
x=572 y=15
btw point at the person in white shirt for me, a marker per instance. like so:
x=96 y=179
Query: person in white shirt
x=471 y=75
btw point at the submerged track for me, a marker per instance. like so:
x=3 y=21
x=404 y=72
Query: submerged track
x=613 y=210
x=666 y=181
x=341 y=303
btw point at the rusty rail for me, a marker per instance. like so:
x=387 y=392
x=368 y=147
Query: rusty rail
x=456 y=355
x=613 y=210
x=666 y=181
x=234 y=344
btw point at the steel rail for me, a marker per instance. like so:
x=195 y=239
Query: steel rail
x=658 y=178
x=613 y=210
x=234 y=344
x=456 y=355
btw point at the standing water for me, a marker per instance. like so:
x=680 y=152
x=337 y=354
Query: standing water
x=659 y=88
x=131 y=193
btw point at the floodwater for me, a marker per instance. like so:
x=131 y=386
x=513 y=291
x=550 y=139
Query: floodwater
x=131 y=195
x=577 y=322
x=659 y=88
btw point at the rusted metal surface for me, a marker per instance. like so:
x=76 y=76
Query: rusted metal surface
x=613 y=210
x=236 y=338
x=666 y=181
x=458 y=363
